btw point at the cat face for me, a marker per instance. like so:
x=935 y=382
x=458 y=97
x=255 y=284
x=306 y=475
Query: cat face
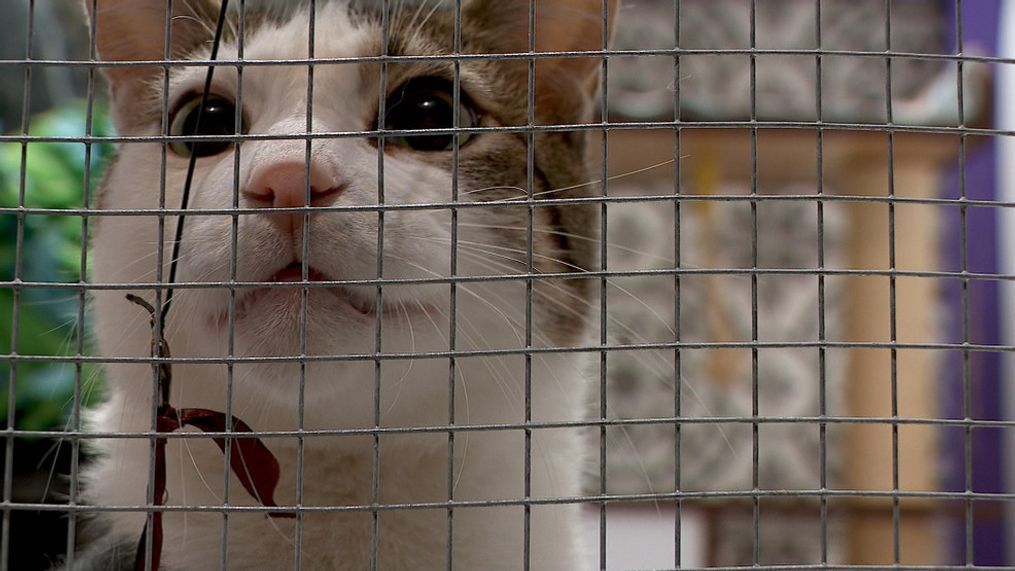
x=384 y=210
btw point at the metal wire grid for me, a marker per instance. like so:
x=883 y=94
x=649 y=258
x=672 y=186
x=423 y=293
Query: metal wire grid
x=75 y=435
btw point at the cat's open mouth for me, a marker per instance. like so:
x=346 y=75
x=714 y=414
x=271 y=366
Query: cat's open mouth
x=294 y=273
x=250 y=303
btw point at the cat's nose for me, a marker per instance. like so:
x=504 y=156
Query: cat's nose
x=284 y=185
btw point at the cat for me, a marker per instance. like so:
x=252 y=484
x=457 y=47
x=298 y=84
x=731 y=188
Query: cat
x=264 y=327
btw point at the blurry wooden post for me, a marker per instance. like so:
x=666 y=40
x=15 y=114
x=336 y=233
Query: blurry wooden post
x=856 y=164
x=865 y=170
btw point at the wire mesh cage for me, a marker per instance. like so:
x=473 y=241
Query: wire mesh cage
x=463 y=284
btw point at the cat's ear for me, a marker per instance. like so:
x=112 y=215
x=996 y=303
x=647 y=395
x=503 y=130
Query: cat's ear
x=560 y=26
x=135 y=30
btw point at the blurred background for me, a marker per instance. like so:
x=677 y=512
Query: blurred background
x=43 y=101
x=850 y=346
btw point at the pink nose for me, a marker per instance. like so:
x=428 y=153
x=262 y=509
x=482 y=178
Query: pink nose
x=284 y=185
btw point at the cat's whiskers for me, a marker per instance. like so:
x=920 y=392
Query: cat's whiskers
x=613 y=178
x=535 y=255
x=412 y=350
x=173 y=329
x=504 y=387
x=126 y=268
x=435 y=274
x=512 y=399
x=482 y=260
x=509 y=396
x=88 y=385
x=480 y=249
x=657 y=368
x=542 y=453
x=91 y=383
x=127 y=333
x=610 y=245
x=465 y=391
x=189 y=312
x=418 y=24
x=660 y=374
x=544 y=457
x=570 y=187
x=188 y=18
x=545 y=362
x=520 y=190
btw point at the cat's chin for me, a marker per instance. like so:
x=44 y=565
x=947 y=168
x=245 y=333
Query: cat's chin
x=279 y=310
x=273 y=320
x=284 y=306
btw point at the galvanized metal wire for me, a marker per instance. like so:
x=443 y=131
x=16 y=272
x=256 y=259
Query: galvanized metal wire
x=601 y=350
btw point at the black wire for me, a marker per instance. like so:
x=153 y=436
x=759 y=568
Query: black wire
x=191 y=167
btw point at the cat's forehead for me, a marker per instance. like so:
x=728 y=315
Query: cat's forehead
x=342 y=30
x=341 y=34
x=336 y=31
x=282 y=89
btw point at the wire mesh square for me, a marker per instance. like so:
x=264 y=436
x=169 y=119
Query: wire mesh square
x=466 y=284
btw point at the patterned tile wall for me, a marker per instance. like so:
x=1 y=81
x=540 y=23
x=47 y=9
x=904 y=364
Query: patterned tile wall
x=714 y=382
x=853 y=87
x=718 y=382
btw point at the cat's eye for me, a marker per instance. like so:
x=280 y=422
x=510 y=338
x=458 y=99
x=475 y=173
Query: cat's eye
x=427 y=103
x=216 y=118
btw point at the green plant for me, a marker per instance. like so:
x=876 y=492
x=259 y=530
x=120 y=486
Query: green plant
x=51 y=245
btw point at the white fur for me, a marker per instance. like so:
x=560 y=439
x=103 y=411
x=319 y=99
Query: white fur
x=337 y=470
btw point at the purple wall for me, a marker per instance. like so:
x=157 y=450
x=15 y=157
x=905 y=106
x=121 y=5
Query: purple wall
x=980 y=18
